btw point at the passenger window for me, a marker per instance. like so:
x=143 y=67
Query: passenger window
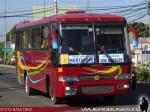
x=44 y=40
x=20 y=37
x=36 y=38
x=23 y=39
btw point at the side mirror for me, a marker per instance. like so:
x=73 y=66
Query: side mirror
x=134 y=35
x=54 y=39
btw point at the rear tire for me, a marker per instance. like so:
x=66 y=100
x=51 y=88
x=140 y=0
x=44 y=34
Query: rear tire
x=28 y=90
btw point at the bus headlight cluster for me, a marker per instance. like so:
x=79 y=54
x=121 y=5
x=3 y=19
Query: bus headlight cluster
x=68 y=79
x=70 y=90
x=122 y=86
x=123 y=77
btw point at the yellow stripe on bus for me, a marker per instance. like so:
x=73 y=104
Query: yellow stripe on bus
x=111 y=70
x=22 y=66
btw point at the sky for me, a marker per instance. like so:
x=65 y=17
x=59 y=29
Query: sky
x=15 y=5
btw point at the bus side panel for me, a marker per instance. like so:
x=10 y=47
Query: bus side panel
x=23 y=60
x=39 y=64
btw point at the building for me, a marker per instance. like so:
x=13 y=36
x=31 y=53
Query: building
x=141 y=54
x=39 y=12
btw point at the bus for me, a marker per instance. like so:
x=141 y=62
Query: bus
x=74 y=54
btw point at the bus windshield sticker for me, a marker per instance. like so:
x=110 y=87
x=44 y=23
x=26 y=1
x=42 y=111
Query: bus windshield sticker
x=64 y=59
x=78 y=59
x=117 y=58
x=75 y=28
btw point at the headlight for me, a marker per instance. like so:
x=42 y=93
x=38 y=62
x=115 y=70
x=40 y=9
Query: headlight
x=68 y=79
x=123 y=77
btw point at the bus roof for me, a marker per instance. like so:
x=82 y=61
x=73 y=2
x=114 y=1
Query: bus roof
x=74 y=17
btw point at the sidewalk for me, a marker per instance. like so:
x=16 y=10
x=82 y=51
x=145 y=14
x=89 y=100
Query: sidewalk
x=8 y=66
x=143 y=83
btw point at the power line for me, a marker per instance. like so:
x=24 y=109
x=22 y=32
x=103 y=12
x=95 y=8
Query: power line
x=26 y=10
x=25 y=14
x=133 y=11
x=128 y=10
x=109 y=8
x=135 y=14
x=142 y=16
x=93 y=8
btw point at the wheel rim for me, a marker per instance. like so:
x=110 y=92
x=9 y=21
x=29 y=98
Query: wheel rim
x=50 y=94
x=26 y=85
x=52 y=98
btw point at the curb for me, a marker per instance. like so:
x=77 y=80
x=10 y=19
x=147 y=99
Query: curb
x=8 y=66
x=143 y=83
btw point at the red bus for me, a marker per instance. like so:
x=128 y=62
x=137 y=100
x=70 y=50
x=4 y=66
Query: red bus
x=74 y=54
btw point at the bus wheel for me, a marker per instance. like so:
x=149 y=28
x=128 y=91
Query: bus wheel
x=109 y=99
x=28 y=90
x=54 y=99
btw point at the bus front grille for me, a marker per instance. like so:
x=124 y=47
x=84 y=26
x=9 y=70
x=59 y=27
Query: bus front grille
x=96 y=89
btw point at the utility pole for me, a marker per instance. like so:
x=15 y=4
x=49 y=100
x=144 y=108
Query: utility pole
x=10 y=37
x=44 y=8
x=149 y=14
x=55 y=7
x=5 y=36
x=89 y=5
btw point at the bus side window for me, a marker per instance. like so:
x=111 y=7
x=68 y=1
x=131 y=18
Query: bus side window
x=36 y=38
x=20 y=38
x=44 y=38
x=25 y=39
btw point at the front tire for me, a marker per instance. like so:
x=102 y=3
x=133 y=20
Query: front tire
x=55 y=100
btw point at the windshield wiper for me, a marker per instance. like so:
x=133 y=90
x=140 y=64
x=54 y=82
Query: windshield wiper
x=103 y=51
x=108 y=56
x=85 y=59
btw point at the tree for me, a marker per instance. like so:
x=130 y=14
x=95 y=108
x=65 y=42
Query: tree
x=1 y=51
x=142 y=29
x=13 y=35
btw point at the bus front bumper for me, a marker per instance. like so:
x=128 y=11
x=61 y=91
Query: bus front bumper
x=97 y=88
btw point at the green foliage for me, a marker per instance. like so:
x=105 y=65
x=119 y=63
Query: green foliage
x=142 y=73
x=12 y=33
x=1 y=60
x=1 y=52
x=142 y=29
x=10 y=36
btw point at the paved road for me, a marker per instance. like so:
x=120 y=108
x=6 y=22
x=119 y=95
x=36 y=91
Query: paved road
x=12 y=94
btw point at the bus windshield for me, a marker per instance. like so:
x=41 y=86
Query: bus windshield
x=92 y=44
x=77 y=39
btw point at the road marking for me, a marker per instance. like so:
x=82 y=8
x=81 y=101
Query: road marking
x=10 y=88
